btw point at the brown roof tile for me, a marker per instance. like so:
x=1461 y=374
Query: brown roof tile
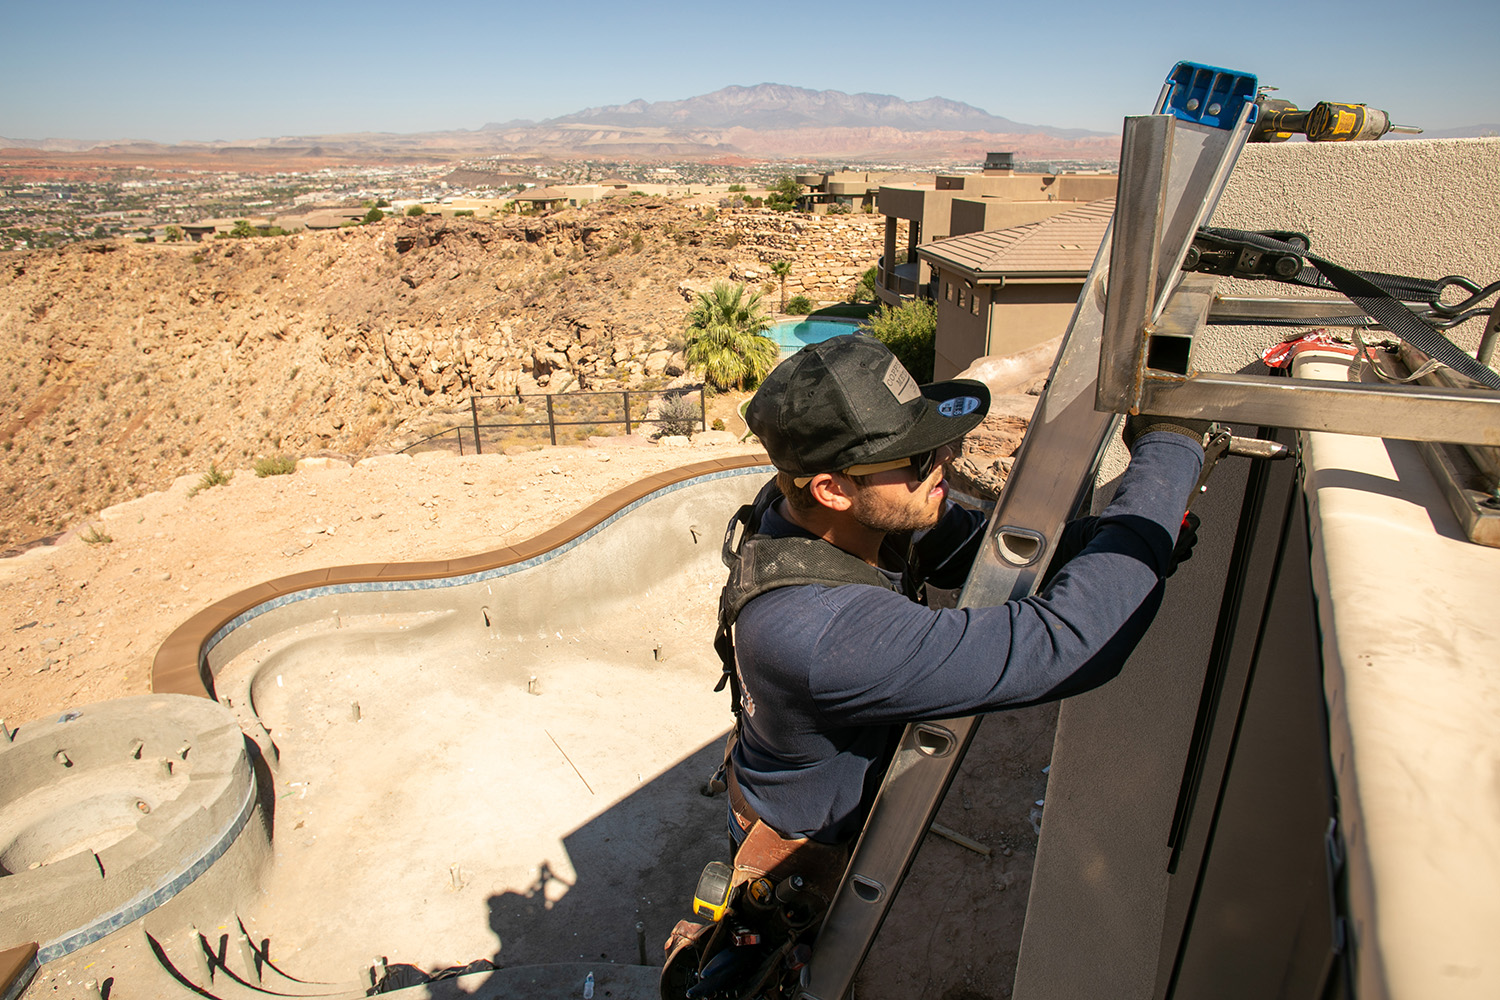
x=1066 y=242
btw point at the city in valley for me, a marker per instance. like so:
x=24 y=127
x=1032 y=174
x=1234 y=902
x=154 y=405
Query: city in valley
x=48 y=201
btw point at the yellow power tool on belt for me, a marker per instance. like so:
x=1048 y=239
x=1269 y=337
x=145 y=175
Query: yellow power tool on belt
x=1326 y=121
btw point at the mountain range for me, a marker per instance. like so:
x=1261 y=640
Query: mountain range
x=777 y=107
x=768 y=121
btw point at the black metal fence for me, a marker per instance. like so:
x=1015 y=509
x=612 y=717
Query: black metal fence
x=500 y=421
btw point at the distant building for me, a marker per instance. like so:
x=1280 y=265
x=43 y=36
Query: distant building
x=855 y=190
x=1002 y=291
x=208 y=228
x=958 y=204
x=572 y=195
x=323 y=218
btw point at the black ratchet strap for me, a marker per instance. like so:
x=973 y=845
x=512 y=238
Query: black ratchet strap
x=1377 y=294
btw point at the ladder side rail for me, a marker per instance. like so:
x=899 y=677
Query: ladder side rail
x=1148 y=238
x=1230 y=144
x=1146 y=153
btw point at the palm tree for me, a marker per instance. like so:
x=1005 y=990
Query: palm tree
x=725 y=337
x=782 y=269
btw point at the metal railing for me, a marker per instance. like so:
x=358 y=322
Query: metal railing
x=505 y=417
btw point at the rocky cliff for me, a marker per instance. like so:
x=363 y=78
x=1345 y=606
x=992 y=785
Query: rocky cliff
x=129 y=365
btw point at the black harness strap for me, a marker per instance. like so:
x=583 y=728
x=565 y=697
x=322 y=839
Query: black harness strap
x=759 y=563
x=1378 y=295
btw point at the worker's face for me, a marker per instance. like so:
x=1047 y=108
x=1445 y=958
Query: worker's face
x=897 y=501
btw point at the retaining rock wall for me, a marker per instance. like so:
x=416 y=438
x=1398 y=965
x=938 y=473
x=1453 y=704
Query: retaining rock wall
x=828 y=252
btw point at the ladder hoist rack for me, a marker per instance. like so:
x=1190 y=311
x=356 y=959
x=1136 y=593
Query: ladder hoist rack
x=1128 y=349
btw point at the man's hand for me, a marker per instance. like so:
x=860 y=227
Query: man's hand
x=1140 y=424
x=1187 y=537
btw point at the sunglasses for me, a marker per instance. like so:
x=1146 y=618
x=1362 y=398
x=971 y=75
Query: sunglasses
x=921 y=464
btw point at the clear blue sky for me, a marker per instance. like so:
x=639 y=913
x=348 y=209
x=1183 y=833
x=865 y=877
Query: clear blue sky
x=169 y=70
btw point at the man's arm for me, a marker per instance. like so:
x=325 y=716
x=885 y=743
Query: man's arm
x=881 y=659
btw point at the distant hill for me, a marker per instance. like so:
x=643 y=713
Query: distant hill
x=769 y=121
x=776 y=107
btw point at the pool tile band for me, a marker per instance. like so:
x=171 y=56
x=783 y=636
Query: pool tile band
x=151 y=898
x=180 y=665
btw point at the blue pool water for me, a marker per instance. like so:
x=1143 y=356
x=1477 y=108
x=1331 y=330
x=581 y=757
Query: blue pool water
x=792 y=336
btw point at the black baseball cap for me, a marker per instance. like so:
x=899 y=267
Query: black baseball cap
x=847 y=401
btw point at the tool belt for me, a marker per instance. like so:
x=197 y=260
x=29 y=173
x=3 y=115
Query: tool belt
x=765 y=853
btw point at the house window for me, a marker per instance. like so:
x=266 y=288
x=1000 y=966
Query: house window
x=960 y=298
x=948 y=290
x=974 y=303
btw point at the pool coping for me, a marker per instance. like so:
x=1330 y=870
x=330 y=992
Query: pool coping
x=181 y=662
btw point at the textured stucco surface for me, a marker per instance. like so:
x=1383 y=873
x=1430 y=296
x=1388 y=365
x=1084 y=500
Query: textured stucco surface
x=1427 y=208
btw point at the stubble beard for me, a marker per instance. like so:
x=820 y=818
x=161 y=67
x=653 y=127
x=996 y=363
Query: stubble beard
x=878 y=512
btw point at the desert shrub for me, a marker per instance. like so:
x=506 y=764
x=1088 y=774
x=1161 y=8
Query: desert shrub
x=213 y=477
x=864 y=291
x=911 y=334
x=373 y=215
x=799 y=305
x=463 y=213
x=94 y=536
x=415 y=210
x=678 y=415
x=275 y=465
x=736 y=189
x=718 y=423
x=637 y=242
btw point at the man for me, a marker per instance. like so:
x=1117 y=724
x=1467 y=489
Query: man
x=833 y=651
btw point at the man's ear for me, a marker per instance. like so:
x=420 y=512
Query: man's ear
x=832 y=491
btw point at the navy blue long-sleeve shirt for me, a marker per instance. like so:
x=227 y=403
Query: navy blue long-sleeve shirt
x=829 y=675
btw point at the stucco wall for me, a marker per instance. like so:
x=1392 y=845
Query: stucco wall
x=1010 y=319
x=978 y=215
x=1427 y=208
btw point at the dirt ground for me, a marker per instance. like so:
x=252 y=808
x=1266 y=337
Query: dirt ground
x=81 y=619
x=80 y=622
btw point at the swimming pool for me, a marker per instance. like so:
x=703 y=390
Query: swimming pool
x=793 y=335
